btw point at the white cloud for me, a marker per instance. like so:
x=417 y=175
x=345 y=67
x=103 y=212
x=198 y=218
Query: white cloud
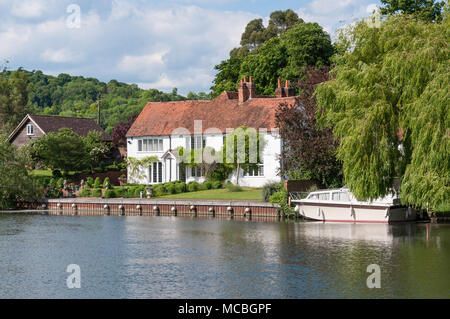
x=60 y=56
x=28 y=8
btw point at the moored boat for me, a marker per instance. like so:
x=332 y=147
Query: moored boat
x=340 y=205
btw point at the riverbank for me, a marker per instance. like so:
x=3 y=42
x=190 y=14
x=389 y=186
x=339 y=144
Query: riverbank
x=157 y=206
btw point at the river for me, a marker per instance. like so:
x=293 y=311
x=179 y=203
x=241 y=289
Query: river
x=177 y=257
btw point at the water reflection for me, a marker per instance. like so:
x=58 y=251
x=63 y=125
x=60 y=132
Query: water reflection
x=173 y=257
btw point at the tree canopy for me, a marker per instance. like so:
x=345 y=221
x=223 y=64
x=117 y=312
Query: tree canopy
x=23 y=92
x=387 y=102
x=67 y=151
x=427 y=10
x=292 y=46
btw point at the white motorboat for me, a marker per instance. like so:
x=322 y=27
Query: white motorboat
x=339 y=205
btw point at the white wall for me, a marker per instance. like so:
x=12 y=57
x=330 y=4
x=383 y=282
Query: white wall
x=272 y=151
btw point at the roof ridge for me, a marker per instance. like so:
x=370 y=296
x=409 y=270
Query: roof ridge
x=59 y=116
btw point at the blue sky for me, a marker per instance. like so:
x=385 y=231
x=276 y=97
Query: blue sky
x=156 y=44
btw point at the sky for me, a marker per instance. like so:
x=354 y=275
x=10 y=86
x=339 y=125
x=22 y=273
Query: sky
x=155 y=44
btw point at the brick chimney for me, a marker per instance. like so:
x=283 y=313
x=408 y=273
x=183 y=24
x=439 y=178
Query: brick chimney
x=288 y=90
x=285 y=91
x=279 y=92
x=246 y=90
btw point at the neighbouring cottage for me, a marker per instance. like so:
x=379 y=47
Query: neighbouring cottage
x=163 y=126
x=33 y=127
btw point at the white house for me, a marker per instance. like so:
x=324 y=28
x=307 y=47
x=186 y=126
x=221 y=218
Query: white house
x=163 y=126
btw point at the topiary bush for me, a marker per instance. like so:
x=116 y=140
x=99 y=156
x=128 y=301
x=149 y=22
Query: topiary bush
x=60 y=183
x=180 y=187
x=171 y=189
x=89 y=182
x=106 y=182
x=85 y=193
x=109 y=193
x=96 y=192
x=98 y=183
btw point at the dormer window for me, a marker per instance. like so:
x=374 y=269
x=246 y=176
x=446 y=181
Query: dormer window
x=30 y=129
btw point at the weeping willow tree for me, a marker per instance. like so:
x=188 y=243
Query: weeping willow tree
x=388 y=104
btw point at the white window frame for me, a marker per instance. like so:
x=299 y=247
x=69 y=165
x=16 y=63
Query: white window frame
x=157 y=174
x=255 y=173
x=149 y=145
x=30 y=129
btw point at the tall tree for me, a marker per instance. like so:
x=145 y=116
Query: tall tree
x=13 y=99
x=281 y=56
x=308 y=152
x=16 y=185
x=427 y=10
x=388 y=103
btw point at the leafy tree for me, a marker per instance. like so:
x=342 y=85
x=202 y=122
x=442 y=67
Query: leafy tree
x=63 y=150
x=119 y=137
x=427 y=10
x=96 y=147
x=16 y=186
x=387 y=102
x=281 y=56
x=309 y=152
x=136 y=167
x=13 y=99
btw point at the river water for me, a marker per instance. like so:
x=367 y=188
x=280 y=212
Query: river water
x=176 y=257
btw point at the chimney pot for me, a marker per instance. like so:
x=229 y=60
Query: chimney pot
x=287 y=83
x=279 y=82
x=245 y=78
x=251 y=79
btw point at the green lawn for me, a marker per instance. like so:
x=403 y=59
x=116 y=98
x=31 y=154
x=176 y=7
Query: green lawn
x=246 y=194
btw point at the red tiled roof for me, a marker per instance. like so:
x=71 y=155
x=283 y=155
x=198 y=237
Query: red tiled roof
x=81 y=126
x=161 y=118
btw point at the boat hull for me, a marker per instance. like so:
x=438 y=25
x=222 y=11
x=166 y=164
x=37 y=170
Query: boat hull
x=356 y=213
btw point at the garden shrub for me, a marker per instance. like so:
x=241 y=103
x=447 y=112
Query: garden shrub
x=192 y=186
x=107 y=181
x=60 y=183
x=207 y=185
x=281 y=198
x=171 y=189
x=109 y=193
x=98 y=183
x=217 y=184
x=96 y=192
x=89 y=182
x=269 y=189
x=85 y=193
x=180 y=187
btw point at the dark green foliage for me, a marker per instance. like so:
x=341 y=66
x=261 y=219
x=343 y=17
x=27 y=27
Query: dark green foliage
x=13 y=99
x=286 y=48
x=180 y=187
x=192 y=186
x=281 y=198
x=56 y=173
x=65 y=95
x=269 y=189
x=171 y=189
x=207 y=184
x=217 y=184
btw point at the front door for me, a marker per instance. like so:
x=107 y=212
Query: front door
x=182 y=173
